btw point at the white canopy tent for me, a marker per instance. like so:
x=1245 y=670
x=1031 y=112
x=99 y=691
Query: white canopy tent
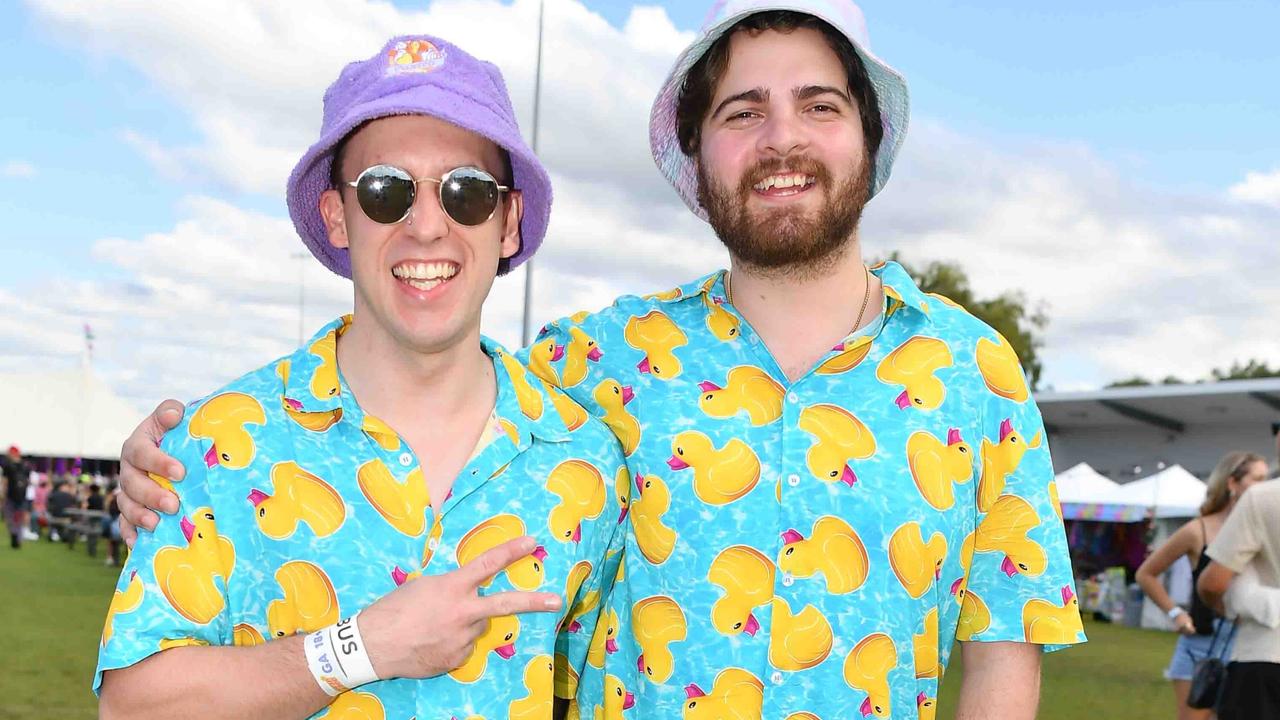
x=68 y=413
x=1082 y=484
x=1173 y=492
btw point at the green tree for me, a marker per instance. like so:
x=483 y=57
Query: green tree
x=1008 y=312
x=1139 y=381
x=1249 y=371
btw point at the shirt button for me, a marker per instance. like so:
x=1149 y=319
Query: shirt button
x=788 y=580
x=406 y=459
x=793 y=480
x=776 y=677
x=793 y=398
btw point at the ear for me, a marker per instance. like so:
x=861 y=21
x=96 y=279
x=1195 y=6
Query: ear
x=333 y=211
x=514 y=212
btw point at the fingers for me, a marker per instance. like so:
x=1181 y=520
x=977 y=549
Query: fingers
x=141 y=450
x=478 y=571
x=516 y=602
x=131 y=514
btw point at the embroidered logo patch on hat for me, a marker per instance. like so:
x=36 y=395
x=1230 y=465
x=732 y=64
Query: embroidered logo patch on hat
x=417 y=56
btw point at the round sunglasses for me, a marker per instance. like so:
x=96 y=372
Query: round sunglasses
x=468 y=194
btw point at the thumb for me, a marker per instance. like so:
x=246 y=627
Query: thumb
x=167 y=415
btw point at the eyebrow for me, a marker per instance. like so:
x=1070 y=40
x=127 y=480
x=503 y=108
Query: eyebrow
x=811 y=91
x=802 y=93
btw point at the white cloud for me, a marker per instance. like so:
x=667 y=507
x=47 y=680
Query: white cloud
x=18 y=169
x=1135 y=281
x=1261 y=188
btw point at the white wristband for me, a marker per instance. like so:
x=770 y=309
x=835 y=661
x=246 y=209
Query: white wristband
x=337 y=657
x=1175 y=611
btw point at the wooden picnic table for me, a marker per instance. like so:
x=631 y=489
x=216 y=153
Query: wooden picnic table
x=87 y=523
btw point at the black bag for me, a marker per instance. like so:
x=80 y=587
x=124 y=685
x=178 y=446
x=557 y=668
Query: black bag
x=1210 y=673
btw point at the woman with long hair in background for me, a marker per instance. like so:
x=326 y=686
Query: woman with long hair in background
x=1235 y=472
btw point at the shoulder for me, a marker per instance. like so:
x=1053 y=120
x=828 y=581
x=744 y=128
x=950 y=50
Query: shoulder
x=244 y=403
x=625 y=307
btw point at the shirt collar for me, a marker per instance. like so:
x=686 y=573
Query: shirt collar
x=315 y=393
x=900 y=289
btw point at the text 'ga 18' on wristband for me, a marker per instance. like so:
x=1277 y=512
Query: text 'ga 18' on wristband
x=338 y=658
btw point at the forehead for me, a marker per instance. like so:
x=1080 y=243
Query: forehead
x=780 y=61
x=420 y=143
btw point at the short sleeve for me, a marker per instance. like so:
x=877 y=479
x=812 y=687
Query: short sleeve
x=1020 y=586
x=568 y=354
x=1240 y=538
x=172 y=590
x=586 y=630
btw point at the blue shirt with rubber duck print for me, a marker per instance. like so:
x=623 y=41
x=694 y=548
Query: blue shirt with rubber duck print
x=812 y=549
x=299 y=509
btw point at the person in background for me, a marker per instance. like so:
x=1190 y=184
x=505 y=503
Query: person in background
x=17 y=475
x=1235 y=472
x=1243 y=580
x=60 y=500
x=40 y=506
x=112 y=531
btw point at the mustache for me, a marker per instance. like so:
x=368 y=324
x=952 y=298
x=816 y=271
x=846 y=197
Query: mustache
x=772 y=166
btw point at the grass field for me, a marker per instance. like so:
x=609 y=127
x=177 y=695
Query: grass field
x=52 y=603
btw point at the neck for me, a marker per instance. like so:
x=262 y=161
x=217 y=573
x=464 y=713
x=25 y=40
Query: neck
x=406 y=387
x=801 y=316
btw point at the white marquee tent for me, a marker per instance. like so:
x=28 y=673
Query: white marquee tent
x=68 y=413
x=1173 y=492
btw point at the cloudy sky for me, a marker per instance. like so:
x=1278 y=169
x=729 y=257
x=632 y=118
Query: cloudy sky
x=1120 y=166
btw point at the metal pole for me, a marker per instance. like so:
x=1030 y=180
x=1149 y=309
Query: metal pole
x=526 y=333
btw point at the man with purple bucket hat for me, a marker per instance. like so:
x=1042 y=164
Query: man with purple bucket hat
x=397 y=520
x=834 y=475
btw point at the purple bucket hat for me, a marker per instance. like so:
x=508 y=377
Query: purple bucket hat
x=845 y=17
x=417 y=75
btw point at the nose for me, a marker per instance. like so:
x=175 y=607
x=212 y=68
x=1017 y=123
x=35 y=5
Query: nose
x=782 y=135
x=427 y=221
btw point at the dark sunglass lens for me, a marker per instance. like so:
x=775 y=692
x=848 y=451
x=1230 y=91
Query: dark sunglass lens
x=469 y=196
x=385 y=194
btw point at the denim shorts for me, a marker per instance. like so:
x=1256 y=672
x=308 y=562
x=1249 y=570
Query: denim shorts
x=1191 y=649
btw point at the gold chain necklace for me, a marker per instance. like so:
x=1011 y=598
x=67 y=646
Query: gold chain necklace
x=866 y=295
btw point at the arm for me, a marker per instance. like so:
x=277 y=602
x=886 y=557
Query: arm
x=1248 y=598
x=1180 y=544
x=424 y=628
x=1001 y=680
x=1213 y=585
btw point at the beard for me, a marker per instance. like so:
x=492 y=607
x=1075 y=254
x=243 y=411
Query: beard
x=789 y=241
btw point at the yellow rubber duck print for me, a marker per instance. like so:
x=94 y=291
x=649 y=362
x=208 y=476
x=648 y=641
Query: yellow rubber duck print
x=324 y=381
x=723 y=324
x=604 y=641
x=720 y=475
x=571 y=413
x=925 y=646
x=186 y=575
x=655 y=538
x=536 y=705
x=866 y=668
x=999 y=461
x=1000 y=370
x=839 y=437
x=122 y=601
x=300 y=497
x=1046 y=623
x=616 y=699
x=912 y=365
x=926 y=707
x=832 y=549
x=1004 y=530
x=916 y=563
x=746 y=577
x=975 y=618
x=657 y=337
x=612 y=399
x=309 y=601
x=656 y=623
x=222 y=420
x=402 y=504
x=529 y=399
x=936 y=467
x=525 y=573
x=582 y=349
x=580 y=488
x=581 y=605
x=799 y=641
x=748 y=389
x=354 y=705
x=622 y=491
x=246 y=635
x=736 y=694
x=541 y=355
x=499 y=638
x=852 y=353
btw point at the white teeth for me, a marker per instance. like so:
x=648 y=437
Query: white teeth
x=785 y=181
x=425 y=272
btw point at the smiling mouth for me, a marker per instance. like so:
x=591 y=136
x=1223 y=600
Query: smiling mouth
x=784 y=184
x=425 y=275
